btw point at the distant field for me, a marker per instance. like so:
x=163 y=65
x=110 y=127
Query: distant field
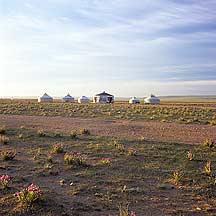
x=189 y=99
x=186 y=113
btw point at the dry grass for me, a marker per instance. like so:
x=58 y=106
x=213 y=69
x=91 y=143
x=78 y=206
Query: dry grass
x=140 y=169
x=188 y=113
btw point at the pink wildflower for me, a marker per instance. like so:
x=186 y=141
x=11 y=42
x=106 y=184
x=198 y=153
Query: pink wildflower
x=4 y=180
x=133 y=213
x=34 y=188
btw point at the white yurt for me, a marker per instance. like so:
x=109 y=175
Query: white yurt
x=152 y=100
x=68 y=99
x=83 y=99
x=134 y=100
x=45 y=99
x=103 y=98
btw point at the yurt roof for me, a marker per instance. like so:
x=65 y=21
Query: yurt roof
x=84 y=97
x=46 y=96
x=134 y=98
x=104 y=94
x=68 y=96
x=152 y=97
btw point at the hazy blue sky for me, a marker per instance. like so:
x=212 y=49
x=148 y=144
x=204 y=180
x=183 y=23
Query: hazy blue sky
x=128 y=48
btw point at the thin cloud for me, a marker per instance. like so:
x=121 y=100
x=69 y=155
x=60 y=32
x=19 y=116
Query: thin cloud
x=120 y=40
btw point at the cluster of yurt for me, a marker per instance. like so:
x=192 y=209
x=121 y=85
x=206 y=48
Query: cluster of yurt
x=102 y=98
x=152 y=99
x=98 y=98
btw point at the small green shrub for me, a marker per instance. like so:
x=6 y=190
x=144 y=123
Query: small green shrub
x=4 y=139
x=73 y=134
x=120 y=148
x=4 y=180
x=41 y=133
x=2 y=129
x=208 y=143
x=131 y=152
x=75 y=158
x=105 y=161
x=84 y=131
x=20 y=136
x=176 y=177
x=28 y=195
x=8 y=155
x=207 y=168
x=124 y=210
x=50 y=158
x=58 y=148
x=57 y=135
x=190 y=156
x=212 y=123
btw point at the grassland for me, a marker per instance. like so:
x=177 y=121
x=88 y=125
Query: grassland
x=144 y=179
x=186 y=113
x=152 y=160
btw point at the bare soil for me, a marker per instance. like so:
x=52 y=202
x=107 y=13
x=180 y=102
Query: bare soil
x=155 y=131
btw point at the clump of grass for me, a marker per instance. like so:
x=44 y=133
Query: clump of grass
x=131 y=152
x=120 y=148
x=2 y=129
x=85 y=131
x=74 y=134
x=105 y=161
x=20 y=136
x=41 y=133
x=57 y=135
x=212 y=123
x=75 y=158
x=124 y=210
x=58 y=148
x=62 y=182
x=176 y=177
x=4 y=139
x=142 y=139
x=190 y=156
x=49 y=158
x=8 y=155
x=207 y=168
x=208 y=143
x=37 y=153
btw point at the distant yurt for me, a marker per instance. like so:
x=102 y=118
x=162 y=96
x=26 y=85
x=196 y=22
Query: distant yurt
x=68 y=99
x=83 y=99
x=45 y=99
x=152 y=100
x=134 y=100
x=103 y=98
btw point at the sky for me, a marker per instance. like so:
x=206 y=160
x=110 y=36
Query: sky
x=124 y=47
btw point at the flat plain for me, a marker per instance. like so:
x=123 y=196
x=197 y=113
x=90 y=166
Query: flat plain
x=151 y=160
